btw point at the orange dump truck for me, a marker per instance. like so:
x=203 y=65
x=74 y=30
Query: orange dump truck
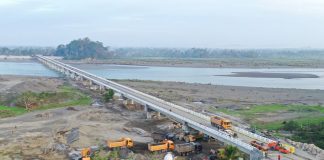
x=221 y=123
x=162 y=146
x=123 y=142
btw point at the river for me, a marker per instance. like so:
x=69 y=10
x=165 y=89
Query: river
x=180 y=74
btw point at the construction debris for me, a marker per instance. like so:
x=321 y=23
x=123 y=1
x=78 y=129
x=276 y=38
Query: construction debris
x=310 y=148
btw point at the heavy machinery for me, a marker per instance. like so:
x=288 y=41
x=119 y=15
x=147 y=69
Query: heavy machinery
x=121 y=143
x=278 y=147
x=188 y=148
x=159 y=136
x=191 y=136
x=259 y=145
x=165 y=145
x=220 y=123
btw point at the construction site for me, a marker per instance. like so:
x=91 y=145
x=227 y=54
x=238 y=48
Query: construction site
x=123 y=127
x=63 y=133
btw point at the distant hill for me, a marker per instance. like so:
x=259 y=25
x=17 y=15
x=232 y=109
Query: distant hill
x=82 y=49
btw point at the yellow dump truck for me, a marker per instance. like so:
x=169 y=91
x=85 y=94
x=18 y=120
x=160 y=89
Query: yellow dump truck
x=220 y=123
x=165 y=145
x=123 y=142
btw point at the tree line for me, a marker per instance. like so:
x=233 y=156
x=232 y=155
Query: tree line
x=86 y=48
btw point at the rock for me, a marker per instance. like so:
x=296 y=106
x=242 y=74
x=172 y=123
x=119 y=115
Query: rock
x=320 y=156
x=139 y=157
x=75 y=155
x=125 y=153
x=73 y=135
x=60 y=147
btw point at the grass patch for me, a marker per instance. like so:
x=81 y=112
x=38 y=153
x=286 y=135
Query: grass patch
x=259 y=111
x=11 y=111
x=64 y=97
x=78 y=102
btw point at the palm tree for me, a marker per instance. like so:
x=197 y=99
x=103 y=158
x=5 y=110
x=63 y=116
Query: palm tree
x=229 y=153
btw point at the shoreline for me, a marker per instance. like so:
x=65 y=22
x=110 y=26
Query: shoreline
x=189 y=63
x=270 y=75
x=208 y=63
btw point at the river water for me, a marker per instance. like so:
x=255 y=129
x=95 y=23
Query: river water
x=179 y=74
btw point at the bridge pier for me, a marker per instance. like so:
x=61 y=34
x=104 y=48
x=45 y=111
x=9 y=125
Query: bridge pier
x=151 y=113
x=101 y=88
x=185 y=127
x=79 y=78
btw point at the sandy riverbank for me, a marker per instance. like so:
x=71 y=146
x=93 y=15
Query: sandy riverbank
x=270 y=75
x=212 y=63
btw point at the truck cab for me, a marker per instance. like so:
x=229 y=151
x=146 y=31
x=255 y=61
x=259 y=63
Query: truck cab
x=220 y=122
x=227 y=124
x=129 y=142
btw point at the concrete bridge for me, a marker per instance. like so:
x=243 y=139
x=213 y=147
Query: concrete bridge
x=180 y=114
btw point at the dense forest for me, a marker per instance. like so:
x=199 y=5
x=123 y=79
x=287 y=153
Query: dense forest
x=85 y=48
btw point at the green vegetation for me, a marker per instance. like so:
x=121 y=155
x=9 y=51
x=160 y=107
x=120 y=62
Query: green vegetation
x=309 y=133
x=307 y=126
x=26 y=51
x=11 y=111
x=29 y=101
x=228 y=153
x=109 y=95
x=306 y=114
x=81 y=49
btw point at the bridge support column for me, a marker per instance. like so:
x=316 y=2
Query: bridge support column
x=72 y=75
x=79 y=78
x=147 y=111
x=90 y=82
x=185 y=127
x=101 y=88
x=158 y=115
x=151 y=113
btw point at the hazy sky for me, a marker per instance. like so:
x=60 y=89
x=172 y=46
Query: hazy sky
x=165 y=23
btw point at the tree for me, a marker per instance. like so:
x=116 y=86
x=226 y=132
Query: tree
x=229 y=153
x=290 y=126
x=109 y=95
x=28 y=99
x=83 y=48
